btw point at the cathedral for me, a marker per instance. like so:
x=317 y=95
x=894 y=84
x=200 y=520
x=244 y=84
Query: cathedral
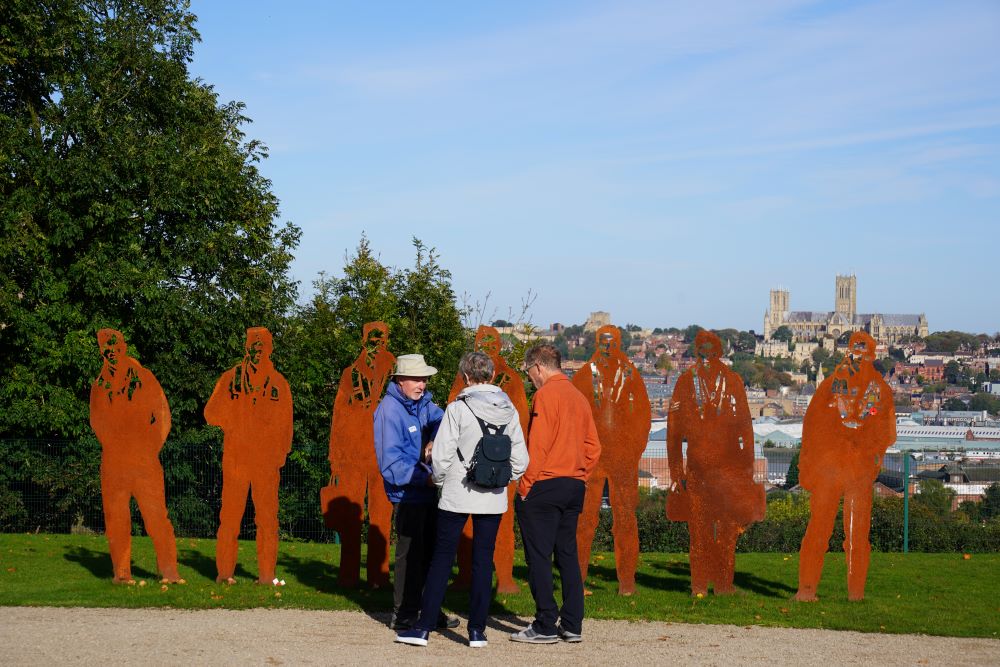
x=809 y=325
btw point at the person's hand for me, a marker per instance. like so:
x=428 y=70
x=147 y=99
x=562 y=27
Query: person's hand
x=427 y=452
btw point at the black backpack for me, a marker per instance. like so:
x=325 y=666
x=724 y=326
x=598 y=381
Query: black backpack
x=490 y=465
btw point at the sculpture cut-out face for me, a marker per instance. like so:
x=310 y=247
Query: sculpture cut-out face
x=258 y=346
x=609 y=340
x=488 y=342
x=376 y=337
x=113 y=347
x=708 y=347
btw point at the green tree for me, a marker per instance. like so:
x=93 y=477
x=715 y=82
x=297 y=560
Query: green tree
x=664 y=363
x=935 y=496
x=954 y=404
x=782 y=333
x=990 y=506
x=792 y=477
x=984 y=401
x=129 y=198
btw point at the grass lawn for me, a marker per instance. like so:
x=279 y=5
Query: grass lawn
x=937 y=594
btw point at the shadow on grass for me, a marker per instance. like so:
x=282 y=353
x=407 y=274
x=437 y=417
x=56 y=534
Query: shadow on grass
x=205 y=565
x=98 y=563
x=680 y=583
x=743 y=580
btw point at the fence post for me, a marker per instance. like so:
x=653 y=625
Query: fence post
x=906 y=502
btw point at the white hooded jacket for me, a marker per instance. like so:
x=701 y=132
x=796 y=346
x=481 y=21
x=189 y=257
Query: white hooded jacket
x=459 y=430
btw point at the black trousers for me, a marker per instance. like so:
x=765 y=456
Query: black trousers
x=548 y=518
x=416 y=526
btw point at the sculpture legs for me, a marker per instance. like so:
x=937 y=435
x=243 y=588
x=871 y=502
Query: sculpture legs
x=379 y=525
x=624 y=496
x=589 y=518
x=348 y=508
x=234 y=498
x=857 y=548
x=150 y=496
x=264 y=490
x=822 y=514
x=503 y=556
x=118 y=528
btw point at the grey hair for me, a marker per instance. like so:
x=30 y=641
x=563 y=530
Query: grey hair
x=477 y=367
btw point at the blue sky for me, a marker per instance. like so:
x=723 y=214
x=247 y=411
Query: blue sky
x=668 y=162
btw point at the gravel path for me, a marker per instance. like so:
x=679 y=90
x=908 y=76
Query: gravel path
x=44 y=635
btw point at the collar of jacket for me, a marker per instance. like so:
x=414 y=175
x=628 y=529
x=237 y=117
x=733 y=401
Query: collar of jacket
x=408 y=404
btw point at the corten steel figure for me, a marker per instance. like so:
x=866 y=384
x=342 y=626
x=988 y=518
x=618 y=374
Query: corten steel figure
x=849 y=424
x=618 y=399
x=131 y=418
x=489 y=342
x=252 y=403
x=716 y=488
x=353 y=468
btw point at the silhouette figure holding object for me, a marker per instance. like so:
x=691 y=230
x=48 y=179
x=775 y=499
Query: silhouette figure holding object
x=714 y=490
x=849 y=424
x=252 y=403
x=131 y=418
x=489 y=342
x=353 y=467
x=620 y=406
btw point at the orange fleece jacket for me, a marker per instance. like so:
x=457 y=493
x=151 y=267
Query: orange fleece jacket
x=562 y=436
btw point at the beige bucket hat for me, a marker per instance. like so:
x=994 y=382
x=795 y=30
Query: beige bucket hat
x=413 y=365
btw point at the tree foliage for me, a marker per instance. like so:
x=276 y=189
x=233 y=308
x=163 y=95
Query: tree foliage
x=782 y=333
x=129 y=198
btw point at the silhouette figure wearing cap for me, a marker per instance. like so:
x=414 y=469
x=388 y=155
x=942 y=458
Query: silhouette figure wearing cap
x=849 y=424
x=252 y=403
x=353 y=468
x=131 y=418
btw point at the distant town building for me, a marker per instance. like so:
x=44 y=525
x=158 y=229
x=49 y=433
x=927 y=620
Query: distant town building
x=812 y=325
x=597 y=319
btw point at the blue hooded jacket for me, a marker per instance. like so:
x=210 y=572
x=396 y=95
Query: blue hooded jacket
x=402 y=428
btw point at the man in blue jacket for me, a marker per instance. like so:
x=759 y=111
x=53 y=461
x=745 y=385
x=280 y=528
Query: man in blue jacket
x=406 y=422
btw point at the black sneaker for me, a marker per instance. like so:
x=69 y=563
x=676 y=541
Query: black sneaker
x=401 y=623
x=446 y=622
x=567 y=636
x=477 y=639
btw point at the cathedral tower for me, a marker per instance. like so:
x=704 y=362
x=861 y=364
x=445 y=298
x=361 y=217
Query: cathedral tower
x=846 y=301
x=775 y=315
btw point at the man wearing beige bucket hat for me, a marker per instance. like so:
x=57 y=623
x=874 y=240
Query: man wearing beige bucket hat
x=406 y=422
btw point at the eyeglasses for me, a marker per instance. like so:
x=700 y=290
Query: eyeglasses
x=528 y=367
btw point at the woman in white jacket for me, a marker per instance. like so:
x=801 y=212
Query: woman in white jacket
x=460 y=431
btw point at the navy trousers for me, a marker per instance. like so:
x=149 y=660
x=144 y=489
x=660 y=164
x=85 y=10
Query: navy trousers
x=548 y=519
x=484 y=539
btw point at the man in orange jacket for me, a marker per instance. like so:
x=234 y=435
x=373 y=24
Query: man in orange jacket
x=563 y=449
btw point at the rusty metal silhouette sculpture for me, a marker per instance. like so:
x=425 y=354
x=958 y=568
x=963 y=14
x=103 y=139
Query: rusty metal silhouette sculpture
x=353 y=467
x=620 y=405
x=713 y=490
x=849 y=424
x=488 y=341
x=131 y=418
x=252 y=403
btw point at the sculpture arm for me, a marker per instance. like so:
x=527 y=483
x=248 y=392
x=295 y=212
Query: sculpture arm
x=675 y=427
x=215 y=408
x=743 y=419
